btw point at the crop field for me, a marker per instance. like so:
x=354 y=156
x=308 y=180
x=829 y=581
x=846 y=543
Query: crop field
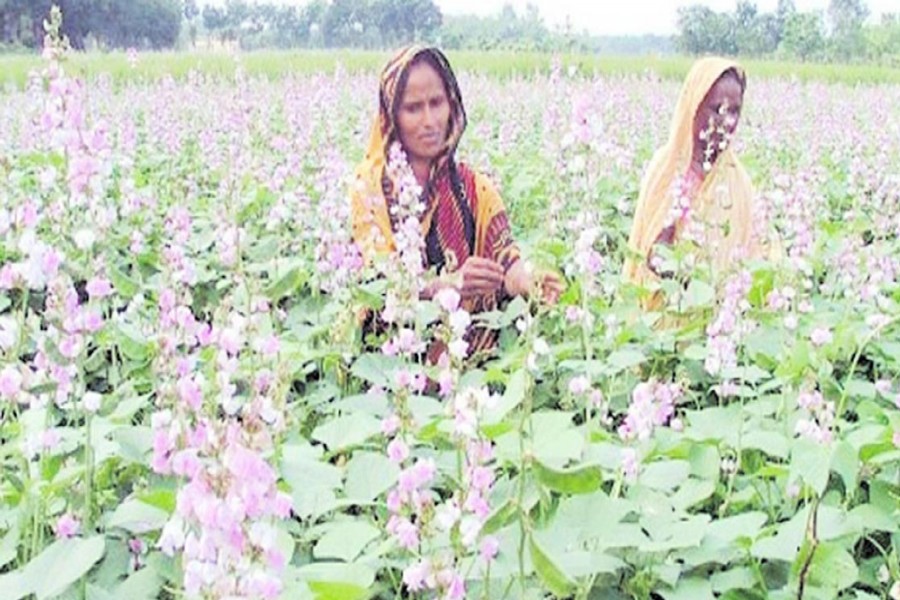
x=189 y=408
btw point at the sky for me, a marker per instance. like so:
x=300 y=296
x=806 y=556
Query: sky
x=606 y=17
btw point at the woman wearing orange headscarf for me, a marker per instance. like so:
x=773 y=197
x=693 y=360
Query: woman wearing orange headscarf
x=695 y=185
x=465 y=226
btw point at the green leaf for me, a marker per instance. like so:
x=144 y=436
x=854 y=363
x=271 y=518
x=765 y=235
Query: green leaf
x=287 y=284
x=551 y=575
x=9 y=546
x=699 y=294
x=692 y=492
x=133 y=345
x=512 y=397
x=345 y=541
x=810 y=462
x=141 y=585
x=714 y=423
x=369 y=475
x=347 y=431
x=771 y=442
x=138 y=517
x=845 y=462
x=705 y=461
x=67 y=561
x=738 y=578
x=582 y=479
x=124 y=284
x=12 y=586
x=621 y=360
x=689 y=589
x=665 y=474
x=374 y=368
x=337 y=581
x=833 y=567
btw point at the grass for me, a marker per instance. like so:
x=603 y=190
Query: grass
x=14 y=68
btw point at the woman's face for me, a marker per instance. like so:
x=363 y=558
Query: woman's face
x=717 y=118
x=423 y=114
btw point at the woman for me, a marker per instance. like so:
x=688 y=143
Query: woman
x=695 y=187
x=465 y=224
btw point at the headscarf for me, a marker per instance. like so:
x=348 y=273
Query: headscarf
x=371 y=220
x=726 y=193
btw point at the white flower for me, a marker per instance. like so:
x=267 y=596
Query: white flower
x=458 y=348
x=84 y=239
x=91 y=401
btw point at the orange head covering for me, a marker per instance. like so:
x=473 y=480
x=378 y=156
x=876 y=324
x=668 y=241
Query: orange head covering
x=371 y=222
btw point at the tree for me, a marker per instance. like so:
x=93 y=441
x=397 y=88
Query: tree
x=804 y=35
x=846 y=18
x=703 y=30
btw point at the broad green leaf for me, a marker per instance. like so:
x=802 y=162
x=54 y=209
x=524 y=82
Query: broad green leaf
x=287 y=284
x=582 y=479
x=714 y=423
x=375 y=368
x=512 y=397
x=705 y=461
x=551 y=575
x=668 y=532
x=699 y=294
x=13 y=586
x=347 y=431
x=368 y=476
x=141 y=585
x=786 y=542
x=124 y=284
x=337 y=581
x=772 y=443
x=138 y=517
x=810 y=462
x=692 y=492
x=845 y=462
x=747 y=524
x=68 y=560
x=665 y=474
x=620 y=360
x=740 y=578
x=833 y=567
x=689 y=589
x=345 y=541
x=9 y=546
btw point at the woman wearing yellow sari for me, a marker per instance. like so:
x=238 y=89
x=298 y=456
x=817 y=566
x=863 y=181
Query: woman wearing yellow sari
x=465 y=225
x=695 y=186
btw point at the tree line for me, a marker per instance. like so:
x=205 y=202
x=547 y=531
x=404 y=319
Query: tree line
x=838 y=34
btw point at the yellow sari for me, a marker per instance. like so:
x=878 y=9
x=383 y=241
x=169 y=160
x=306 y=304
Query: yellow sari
x=464 y=215
x=724 y=198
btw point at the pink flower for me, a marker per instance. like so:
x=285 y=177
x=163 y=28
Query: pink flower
x=10 y=382
x=390 y=425
x=397 y=451
x=99 y=287
x=448 y=299
x=578 y=385
x=820 y=336
x=415 y=575
x=630 y=464
x=66 y=527
x=490 y=546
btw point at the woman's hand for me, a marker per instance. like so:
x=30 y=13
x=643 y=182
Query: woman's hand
x=479 y=277
x=520 y=282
